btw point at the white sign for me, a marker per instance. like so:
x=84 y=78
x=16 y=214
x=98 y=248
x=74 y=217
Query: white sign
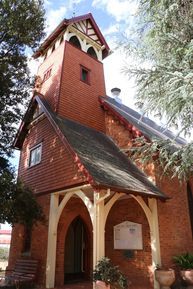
x=128 y=235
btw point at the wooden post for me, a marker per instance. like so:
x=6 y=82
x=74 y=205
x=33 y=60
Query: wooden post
x=52 y=239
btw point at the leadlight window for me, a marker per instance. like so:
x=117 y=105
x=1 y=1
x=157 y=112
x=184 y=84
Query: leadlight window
x=38 y=111
x=35 y=155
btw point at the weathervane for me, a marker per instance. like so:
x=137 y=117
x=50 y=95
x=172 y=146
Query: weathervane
x=74 y=8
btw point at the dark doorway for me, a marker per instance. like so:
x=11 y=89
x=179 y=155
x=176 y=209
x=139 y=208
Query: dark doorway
x=76 y=253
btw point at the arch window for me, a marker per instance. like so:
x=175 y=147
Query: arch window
x=92 y=52
x=74 y=40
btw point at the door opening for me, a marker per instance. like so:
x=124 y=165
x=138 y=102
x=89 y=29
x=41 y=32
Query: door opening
x=76 y=252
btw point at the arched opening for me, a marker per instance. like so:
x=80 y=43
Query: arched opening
x=74 y=40
x=130 y=260
x=92 y=52
x=76 y=263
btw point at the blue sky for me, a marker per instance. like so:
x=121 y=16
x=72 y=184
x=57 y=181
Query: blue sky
x=108 y=14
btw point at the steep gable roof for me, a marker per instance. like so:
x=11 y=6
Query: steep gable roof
x=104 y=165
x=146 y=126
x=65 y=23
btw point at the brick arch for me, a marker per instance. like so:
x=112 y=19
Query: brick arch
x=73 y=209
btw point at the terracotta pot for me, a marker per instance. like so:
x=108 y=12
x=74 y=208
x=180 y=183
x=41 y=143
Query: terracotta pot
x=165 y=278
x=102 y=285
x=187 y=276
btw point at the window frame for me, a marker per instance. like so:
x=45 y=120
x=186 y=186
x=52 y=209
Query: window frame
x=31 y=150
x=47 y=74
x=82 y=69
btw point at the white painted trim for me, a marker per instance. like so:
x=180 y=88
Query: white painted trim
x=54 y=216
x=104 y=197
x=151 y=213
x=110 y=203
x=74 y=189
x=83 y=36
x=52 y=240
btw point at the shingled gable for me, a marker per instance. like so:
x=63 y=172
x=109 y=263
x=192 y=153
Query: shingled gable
x=144 y=125
x=64 y=24
x=104 y=165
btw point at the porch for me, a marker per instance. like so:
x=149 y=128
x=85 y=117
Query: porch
x=100 y=206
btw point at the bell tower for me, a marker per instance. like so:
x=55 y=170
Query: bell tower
x=71 y=73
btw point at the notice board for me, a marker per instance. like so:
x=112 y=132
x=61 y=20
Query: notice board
x=128 y=235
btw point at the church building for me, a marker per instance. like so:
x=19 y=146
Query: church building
x=75 y=142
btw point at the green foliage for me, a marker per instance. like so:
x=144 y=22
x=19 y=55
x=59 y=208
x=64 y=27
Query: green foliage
x=174 y=160
x=17 y=202
x=21 y=27
x=184 y=261
x=105 y=271
x=163 y=67
x=4 y=253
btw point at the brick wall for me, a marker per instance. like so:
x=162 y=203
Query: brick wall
x=38 y=243
x=174 y=220
x=79 y=100
x=137 y=267
x=50 y=88
x=56 y=169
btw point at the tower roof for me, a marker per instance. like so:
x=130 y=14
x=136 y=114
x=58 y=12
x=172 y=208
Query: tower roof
x=64 y=24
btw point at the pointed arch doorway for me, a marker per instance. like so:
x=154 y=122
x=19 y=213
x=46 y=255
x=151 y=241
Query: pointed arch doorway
x=76 y=257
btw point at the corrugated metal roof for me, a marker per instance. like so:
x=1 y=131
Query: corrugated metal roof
x=145 y=125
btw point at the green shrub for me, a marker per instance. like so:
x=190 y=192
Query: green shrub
x=105 y=271
x=184 y=261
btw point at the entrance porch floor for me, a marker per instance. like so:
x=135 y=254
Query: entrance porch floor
x=88 y=285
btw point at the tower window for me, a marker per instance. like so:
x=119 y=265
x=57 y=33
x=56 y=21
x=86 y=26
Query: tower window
x=74 y=40
x=35 y=155
x=47 y=74
x=85 y=74
x=92 y=52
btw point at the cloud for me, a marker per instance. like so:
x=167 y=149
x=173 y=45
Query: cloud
x=111 y=29
x=54 y=17
x=114 y=77
x=119 y=9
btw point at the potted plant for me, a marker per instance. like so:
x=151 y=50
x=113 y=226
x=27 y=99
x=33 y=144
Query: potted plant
x=185 y=263
x=107 y=276
x=164 y=276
